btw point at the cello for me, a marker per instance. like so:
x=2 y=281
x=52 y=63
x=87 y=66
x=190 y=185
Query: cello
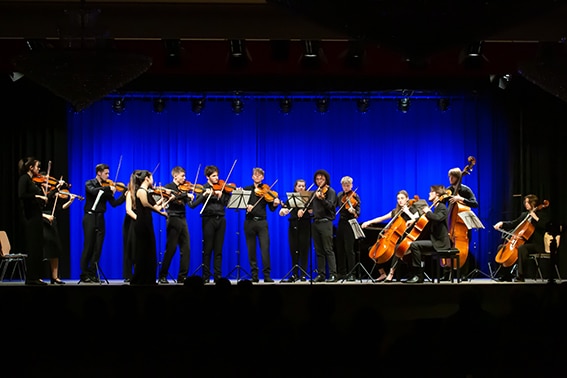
x=385 y=245
x=418 y=227
x=458 y=230
x=508 y=254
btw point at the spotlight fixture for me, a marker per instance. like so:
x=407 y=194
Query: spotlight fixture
x=404 y=104
x=285 y=105
x=118 y=106
x=362 y=104
x=355 y=55
x=173 y=52
x=237 y=106
x=310 y=57
x=197 y=105
x=237 y=57
x=471 y=56
x=443 y=104
x=322 y=105
x=159 y=105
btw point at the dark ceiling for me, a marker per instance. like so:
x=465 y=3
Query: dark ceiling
x=400 y=42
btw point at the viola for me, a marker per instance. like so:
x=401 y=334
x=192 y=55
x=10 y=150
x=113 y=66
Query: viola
x=508 y=253
x=385 y=245
x=417 y=228
x=264 y=191
x=118 y=185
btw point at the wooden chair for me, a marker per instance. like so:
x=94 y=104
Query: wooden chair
x=8 y=257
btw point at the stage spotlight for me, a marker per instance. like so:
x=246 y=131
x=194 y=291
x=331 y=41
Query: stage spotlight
x=404 y=104
x=197 y=105
x=118 y=106
x=443 y=104
x=310 y=57
x=322 y=105
x=173 y=52
x=237 y=106
x=237 y=57
x=362 y=104
x=159 y=105
x=285 y=105
x=355 y=55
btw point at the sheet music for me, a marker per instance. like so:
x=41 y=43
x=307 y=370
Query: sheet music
x=358 y=233
x=470 y=219
x=239 y=199
x=99 y=194
x=295 y=199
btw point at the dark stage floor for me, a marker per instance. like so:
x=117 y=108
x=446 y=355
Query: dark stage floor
x=279 y=329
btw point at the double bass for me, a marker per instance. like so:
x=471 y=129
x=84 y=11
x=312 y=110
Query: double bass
x=418 y=227
x=385 y=245
x=508 y=254
x=458 y=230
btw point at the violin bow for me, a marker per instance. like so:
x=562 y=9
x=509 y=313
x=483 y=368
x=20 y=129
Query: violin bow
x=155 y=169
x=118 y=169
x=348 y=199
x=196 y=178
x=210 y=195
x=46 y=188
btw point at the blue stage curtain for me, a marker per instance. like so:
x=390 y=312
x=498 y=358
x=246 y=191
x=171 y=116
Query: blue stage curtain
x=383 y=150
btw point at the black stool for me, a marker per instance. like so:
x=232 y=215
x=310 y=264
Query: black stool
x=453 y=255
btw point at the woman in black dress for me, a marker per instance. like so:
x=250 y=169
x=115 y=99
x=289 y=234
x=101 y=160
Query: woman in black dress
x=145 y=259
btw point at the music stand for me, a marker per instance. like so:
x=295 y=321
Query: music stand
x=472 y=222
x=358 y=234
x=238 y=201
x=296 y=200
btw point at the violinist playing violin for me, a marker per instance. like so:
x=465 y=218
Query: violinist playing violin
x=97 y=195
x=52 y=248
x=213 y=222
x=348 y=203
x=439 y=235
x=177 y=231
x=324 y=201
x=535 y=243
x=256 y=224
x=32 y=200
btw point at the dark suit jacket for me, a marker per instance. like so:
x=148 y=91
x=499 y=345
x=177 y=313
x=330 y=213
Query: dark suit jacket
x=439 y=233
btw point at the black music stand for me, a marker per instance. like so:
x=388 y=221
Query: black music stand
x=472 y=222
x=296 y=200
x=358 y=235
x=238 y=201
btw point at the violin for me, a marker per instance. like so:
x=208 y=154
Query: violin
x=188 y=187
x=349 y=201
x=64 y=194
x=162 y=192
x=323 y=191
x=41 y=179
x=118 y=185
x=264 y=191
x=223 y=186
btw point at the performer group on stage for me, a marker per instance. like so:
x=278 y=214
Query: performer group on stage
x=415 y=228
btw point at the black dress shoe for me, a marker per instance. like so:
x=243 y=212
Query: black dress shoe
x=351 y=278
x=255 y=279
x=333 y=279
x=35 y=283
x=206 y=280
x=268 y=279
x=415 y=279
x=519 y=279
x=57 y=281
x=303 y=279
x=504 y=279
x=163 y=281
x=319 y=278
x=291 y=279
